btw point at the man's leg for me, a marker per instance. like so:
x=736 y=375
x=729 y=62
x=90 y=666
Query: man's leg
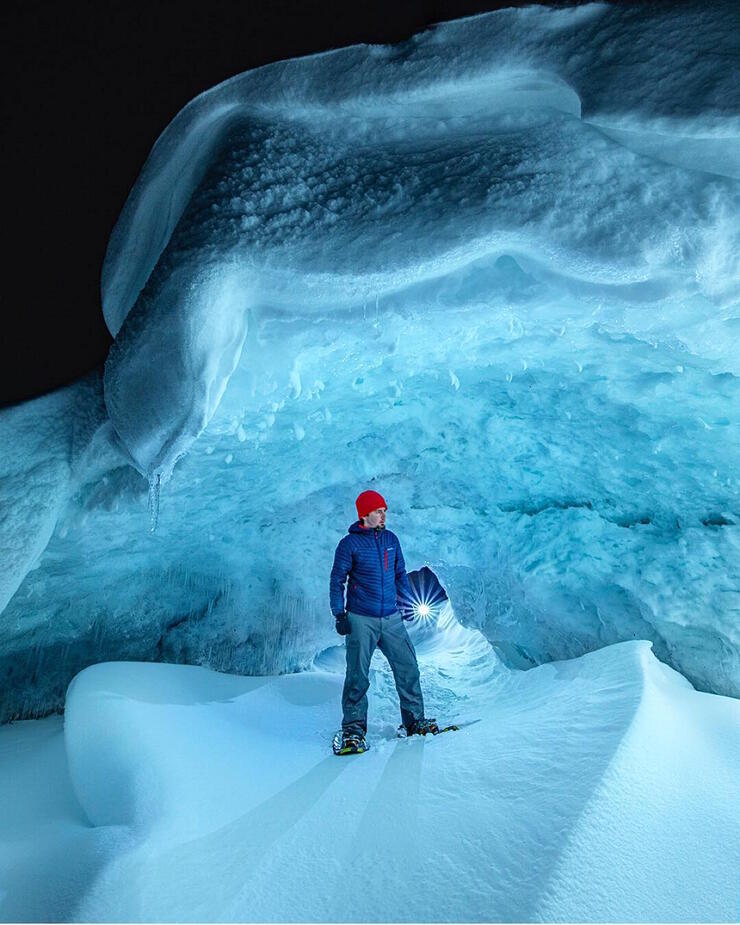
x=361 y=644
x=395 y=644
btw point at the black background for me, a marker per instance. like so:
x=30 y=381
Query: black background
x=87 y=88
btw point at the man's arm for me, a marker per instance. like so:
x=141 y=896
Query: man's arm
x=404 y=593
x=339 y=572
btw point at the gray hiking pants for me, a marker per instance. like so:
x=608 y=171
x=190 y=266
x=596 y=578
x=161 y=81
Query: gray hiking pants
x=390 y=636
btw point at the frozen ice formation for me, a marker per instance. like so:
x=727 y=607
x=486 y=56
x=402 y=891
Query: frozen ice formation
x=493 y=272
x=318 y=184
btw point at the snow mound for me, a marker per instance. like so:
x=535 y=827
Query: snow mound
x=579 y=793
x=670 y=788
x=125 y=754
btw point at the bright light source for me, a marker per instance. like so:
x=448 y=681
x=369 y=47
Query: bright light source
x=423 y=610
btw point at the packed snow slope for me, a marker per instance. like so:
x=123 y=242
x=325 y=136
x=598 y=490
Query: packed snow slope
x=598 y=789
x=492 y=272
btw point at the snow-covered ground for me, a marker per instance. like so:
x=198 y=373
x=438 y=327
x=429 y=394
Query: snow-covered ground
x=602 y=788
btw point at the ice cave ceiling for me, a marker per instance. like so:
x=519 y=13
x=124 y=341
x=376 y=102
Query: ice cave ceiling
x=491 y=272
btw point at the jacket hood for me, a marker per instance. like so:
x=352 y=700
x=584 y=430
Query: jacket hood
x=357 y=527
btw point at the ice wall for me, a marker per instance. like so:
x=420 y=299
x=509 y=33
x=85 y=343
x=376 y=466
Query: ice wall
x=492 y=272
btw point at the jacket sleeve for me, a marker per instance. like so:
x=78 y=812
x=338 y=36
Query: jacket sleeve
x=339 y=572
x=404 y=592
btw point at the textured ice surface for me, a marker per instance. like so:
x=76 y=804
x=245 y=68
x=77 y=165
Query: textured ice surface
x=493 y=273
x=357 y=175
x=596 y=789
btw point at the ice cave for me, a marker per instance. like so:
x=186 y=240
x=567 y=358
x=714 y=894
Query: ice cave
x=493 y=273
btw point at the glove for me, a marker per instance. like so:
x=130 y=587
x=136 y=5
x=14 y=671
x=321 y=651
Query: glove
x=342 y=624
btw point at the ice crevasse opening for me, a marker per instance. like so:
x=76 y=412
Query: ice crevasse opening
x=491 y=272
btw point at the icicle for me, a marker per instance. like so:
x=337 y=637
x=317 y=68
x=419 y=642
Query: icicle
x=154 y=490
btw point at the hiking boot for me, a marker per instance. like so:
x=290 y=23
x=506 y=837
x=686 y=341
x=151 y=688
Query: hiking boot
x=349 y=743
x=420 y=727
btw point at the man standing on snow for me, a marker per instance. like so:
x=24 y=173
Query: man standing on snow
x=370 y=556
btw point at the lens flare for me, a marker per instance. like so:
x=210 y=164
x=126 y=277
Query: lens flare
x=424 y=598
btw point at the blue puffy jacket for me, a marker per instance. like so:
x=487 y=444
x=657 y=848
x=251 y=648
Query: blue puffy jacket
x=371 y=558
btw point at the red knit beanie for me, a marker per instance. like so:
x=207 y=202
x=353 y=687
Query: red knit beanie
x=368 y=501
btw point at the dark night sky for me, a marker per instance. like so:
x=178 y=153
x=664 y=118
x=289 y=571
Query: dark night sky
x=88 y=87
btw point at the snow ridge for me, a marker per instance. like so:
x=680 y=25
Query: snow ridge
x=551 y=792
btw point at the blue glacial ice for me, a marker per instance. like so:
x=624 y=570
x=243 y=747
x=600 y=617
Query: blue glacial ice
x=491 y=272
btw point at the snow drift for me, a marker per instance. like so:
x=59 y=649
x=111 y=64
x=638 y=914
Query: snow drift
x=600 y=788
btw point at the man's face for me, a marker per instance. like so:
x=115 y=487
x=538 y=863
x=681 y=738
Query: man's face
x=375 y=518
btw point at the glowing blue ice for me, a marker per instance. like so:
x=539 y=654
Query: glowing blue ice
x=492 y=272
